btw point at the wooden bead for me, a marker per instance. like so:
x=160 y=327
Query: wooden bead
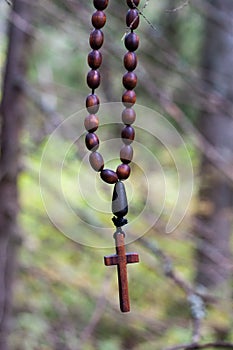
x=130 y=61
x=128 y=134
x=133 y=3
x=94 y=59
x=128 y=116
x=123 y=171
x=132 y=19
x=109 y=176
x=93 y=79
x=91 y=123
x=129 y=80
x=92 y=103
x=98 y=19
x=100 y=4
x=126 y=154
x=131 y=41
x=92 y=141
x=96 y=39
x=129 y=98
x=96 y=161
x=119 y=200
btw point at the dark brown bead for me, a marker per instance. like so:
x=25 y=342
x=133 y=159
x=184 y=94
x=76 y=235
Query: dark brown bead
x=126 y=154
x=92 y=141
x=132 y=19
x=94 y=59
x=96 y=161
x=129 y=98
x=131 y=41
x=93 y=79
x=123 y=171
x=96 y=39
x=130 y=61
x=98 y=19
x=128 y=134
x=92 y=103
x=109 y=176
x=91 y=122
x=129 y=80
x=133 y=3
x=100 y=4
x=128 y=116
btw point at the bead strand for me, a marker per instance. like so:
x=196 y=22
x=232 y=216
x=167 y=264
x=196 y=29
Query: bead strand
x=129 y=81
x=94 y=60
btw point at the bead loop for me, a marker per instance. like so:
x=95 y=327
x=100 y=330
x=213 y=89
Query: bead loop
x=129 y=81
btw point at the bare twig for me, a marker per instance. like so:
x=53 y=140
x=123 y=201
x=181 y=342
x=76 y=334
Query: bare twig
x=186 y=3
x=217 y=345
x=170 y=272
x=54 y=118
x=9 y=2
x=196 y=299
x=196 y=331
x=208 y=10
x=198 y=313
x=198 y=139
x=97 y=314
x=140 y=11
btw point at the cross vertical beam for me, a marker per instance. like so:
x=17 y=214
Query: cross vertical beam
x=121 y=259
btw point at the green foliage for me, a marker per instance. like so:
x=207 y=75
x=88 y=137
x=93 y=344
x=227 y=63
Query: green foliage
x=60 y=284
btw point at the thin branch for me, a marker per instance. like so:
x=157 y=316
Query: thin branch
x=170 y=272
x=196 y=331
x=198 y=139
x=209 y=11
x=53 y=118
x=9 y=2
x=186 y=3
x=195 y=346
x=97 y=314
x=140 y=11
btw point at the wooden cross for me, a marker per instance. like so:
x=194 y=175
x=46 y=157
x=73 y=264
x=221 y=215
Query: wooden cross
x=121 y=259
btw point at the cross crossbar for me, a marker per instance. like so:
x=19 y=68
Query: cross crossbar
x=114 y=259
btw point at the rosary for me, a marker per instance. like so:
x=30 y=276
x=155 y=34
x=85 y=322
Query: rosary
x=91 y=123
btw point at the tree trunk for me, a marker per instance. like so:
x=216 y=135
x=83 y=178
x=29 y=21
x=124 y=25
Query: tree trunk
x=214 y=217
x=11 y=112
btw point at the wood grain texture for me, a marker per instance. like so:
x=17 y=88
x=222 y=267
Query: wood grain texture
x=121 y=259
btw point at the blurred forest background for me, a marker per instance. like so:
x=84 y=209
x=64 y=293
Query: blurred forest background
x=56 y=293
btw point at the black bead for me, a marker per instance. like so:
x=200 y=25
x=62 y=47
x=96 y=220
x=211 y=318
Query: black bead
x=119 y=200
